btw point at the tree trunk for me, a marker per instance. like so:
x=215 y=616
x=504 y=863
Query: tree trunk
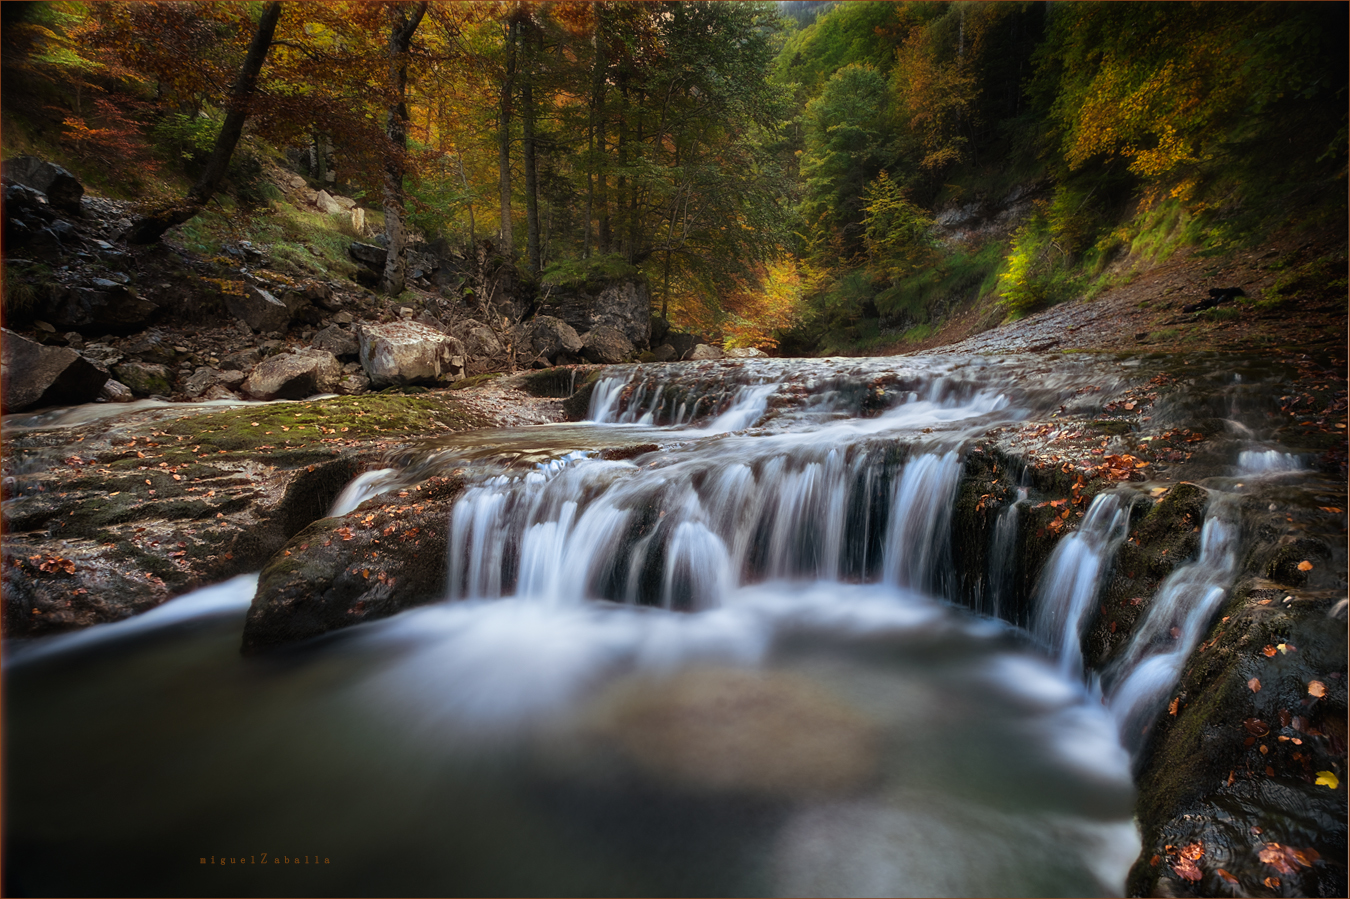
x=404 y=22
x=151 y=227
x=531 y=171
x=595 y=133
x=463 y=179
x=504 y=139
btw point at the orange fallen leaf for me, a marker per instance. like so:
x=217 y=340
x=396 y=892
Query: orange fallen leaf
x=1317 y=688
x=1172 y=707
x=1187 y=870
x=1269 y=651
x=1272 y=883
x=1254 y=685
x=1305 y=565
x=1228 y=878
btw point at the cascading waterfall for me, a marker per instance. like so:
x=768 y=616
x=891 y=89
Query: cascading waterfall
x=1073 y=577
x=786 y=510
x=765 y=744
x=1137 y=683
x=1002 y=558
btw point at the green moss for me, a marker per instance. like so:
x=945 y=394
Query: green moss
x=475 y=380
x=318 y=426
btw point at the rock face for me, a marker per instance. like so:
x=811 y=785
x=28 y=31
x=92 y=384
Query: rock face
x=369 y=255
x=294 y=376
x=606 y=345
x=408 y=353
x=63 y=189
x=547 y=336
x=37 y=375
x=623 y=305
x=259 y=309
x=105 y=308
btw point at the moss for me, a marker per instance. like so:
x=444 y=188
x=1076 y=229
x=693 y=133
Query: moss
x=475 y=380
x=318 y=425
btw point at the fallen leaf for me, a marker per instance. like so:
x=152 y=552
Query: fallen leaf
x=1228 y=878
x=1187 y=870
x=1327 y=779
x=1269 y=651
x=1317 y=688
x=1272 y=883
x=1172 y=707
x=1254 y=685
x=1274 y=855
x=1194 y=851
x=1305 y=565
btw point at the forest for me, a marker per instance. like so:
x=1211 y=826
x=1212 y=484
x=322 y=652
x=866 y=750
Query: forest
x=784 y=175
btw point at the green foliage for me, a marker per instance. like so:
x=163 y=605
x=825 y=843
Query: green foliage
x=189 y=137
x=580 y=272
x=897 y=233
x=1037 y=272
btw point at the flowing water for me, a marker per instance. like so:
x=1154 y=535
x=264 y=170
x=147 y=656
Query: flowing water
x=731 y=665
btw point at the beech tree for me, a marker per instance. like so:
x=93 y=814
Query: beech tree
x=151 y=227
x=404 y=19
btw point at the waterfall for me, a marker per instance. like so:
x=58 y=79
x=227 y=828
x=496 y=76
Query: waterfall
x=1138 y=681
x=1073 y=577
x=362 y=488
x=681 y=531
x=921 y=512
x=1256 y=462
x=1003 y=559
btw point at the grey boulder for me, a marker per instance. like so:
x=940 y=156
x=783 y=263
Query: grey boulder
x=294 y=376
x=409 y=353
x=606 y=345
x=259 y=310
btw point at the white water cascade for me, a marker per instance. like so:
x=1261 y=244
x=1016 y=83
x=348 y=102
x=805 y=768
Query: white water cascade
x=1137 y=683
x=1073 y=576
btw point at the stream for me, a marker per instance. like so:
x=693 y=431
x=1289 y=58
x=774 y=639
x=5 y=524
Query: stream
x=738 y=662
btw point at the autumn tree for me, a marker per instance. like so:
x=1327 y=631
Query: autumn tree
x=149 y=228
x=404 y=19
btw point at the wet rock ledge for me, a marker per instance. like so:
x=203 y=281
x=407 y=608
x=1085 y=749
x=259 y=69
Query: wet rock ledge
x=110 y=518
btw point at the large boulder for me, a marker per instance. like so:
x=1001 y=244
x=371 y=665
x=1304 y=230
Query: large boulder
x=259 y=310
x=702 y=351
x=338 y=341
x=745 y=352
x=146 y=378
x=548 y=337
x=37 y=375
x=409 y=353
x=607 y=346
x=294 y=376
x=105 y=308
x=623 y=304
x=479 y=340
x=63 y=189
